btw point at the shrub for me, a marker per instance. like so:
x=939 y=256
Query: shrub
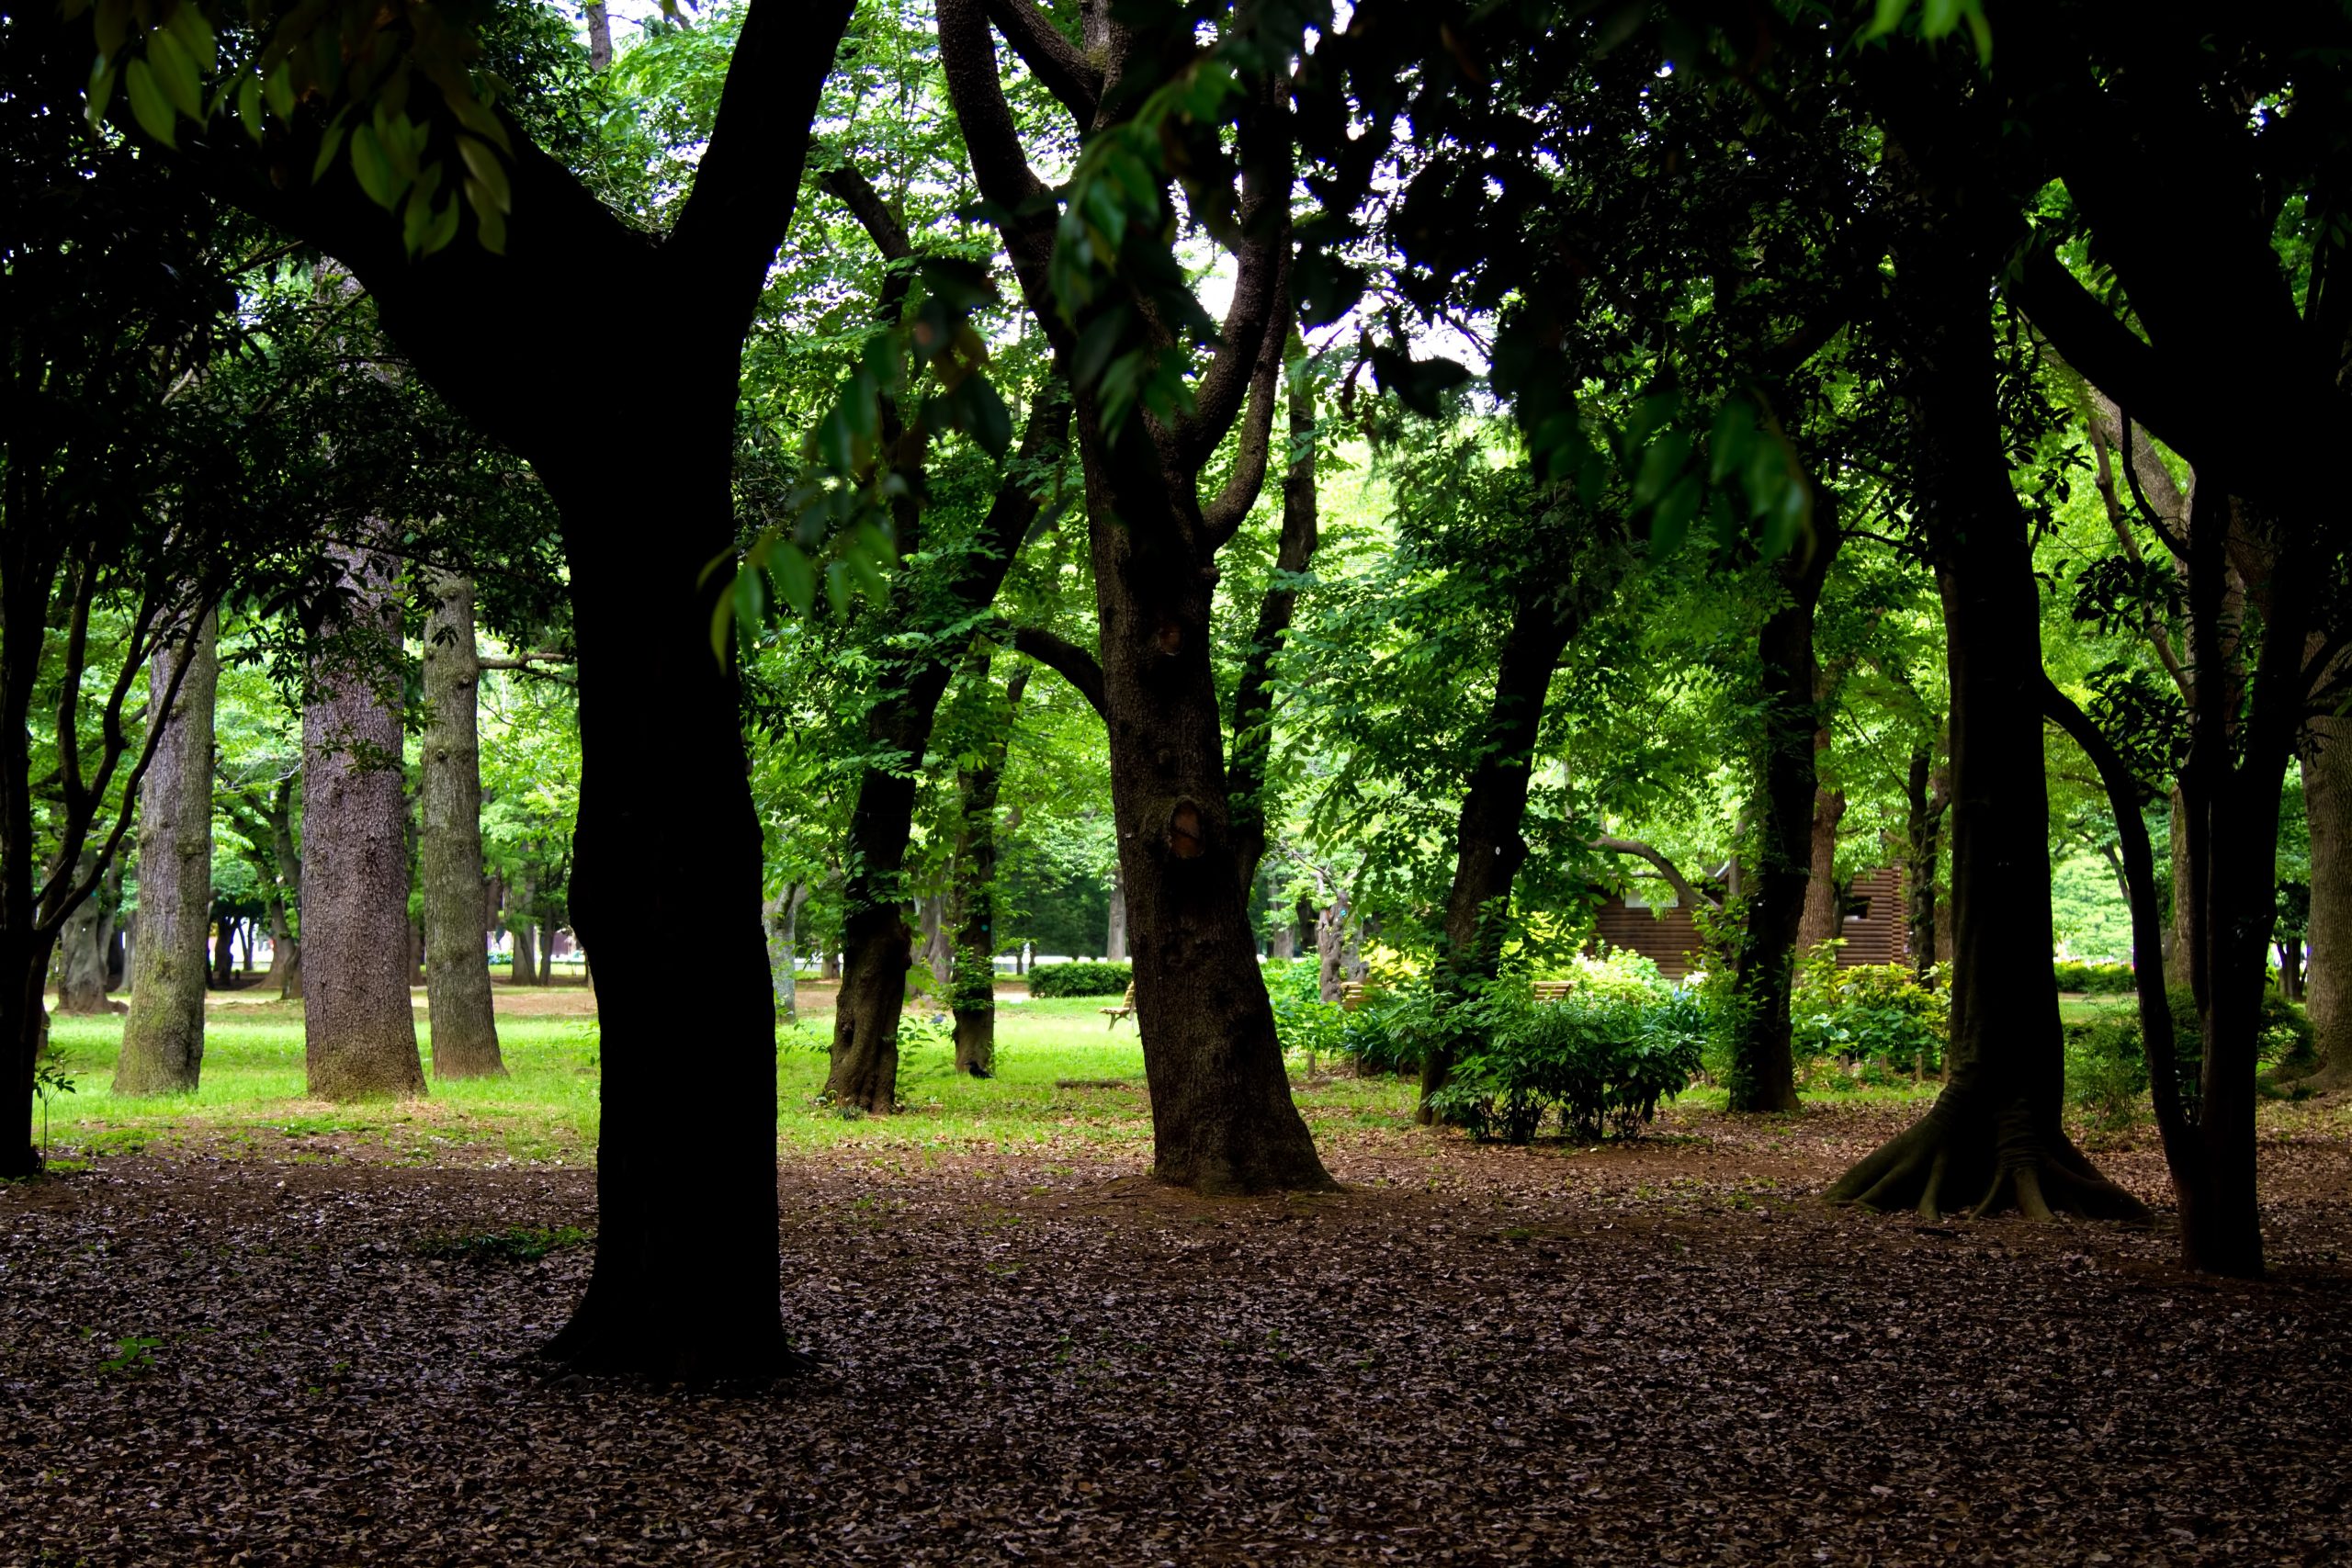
x=1080 y=979
x=2094 y=979
x=2107 y=1066
x=1303 y=1021
x=1869 y=1015
x=1603 y=1057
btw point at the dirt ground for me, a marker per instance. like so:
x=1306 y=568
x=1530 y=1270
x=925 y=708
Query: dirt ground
x=1659 y=1352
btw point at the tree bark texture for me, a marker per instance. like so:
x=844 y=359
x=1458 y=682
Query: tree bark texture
x=163 y=1036
x=522 y=927
x=1994 y=1136
x=2327 y=977
x=456 y=937
x=358 y=1024
x=973 y=992
x=1487 y=847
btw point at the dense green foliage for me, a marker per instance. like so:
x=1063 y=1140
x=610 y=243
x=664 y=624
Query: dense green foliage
x=1080 y=979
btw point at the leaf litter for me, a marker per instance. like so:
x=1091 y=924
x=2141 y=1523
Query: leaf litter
x=1664 y=1351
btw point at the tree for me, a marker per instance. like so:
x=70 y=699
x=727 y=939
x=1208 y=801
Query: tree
x=457 y=978
x=978 y=786
x=163 y=1036
x=358 y=1026
x=1222 y=1116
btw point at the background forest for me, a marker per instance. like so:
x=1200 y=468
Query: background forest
x=1265 y=594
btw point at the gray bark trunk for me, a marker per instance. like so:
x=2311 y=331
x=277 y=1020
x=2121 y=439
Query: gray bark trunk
x=456 y=937
x=81 y=951
x=782 y=922
x=1114 y=939
x=522 y=932
x=358 y=1024
x=1330 y=927
x=163 y=1039
x=1824 y=911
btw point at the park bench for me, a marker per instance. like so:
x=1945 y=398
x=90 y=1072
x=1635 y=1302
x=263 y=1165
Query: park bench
x=1126 y=1008
x=1553 y=990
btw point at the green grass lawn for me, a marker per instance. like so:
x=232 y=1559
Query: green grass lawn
x=546 y=1108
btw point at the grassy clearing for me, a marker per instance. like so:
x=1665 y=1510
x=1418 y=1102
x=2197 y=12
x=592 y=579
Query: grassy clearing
x=546 y=1110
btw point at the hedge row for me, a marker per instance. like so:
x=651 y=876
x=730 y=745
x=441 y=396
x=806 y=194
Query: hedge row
x=1080 y=979
x=2098 y=979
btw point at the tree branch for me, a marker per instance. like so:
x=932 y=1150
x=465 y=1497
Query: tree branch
x=1222 y=517
x=2106 y=352
x=1000 y=163
x=1259 y=287
x=1683 y=887
x=1068 y=661
x=748 y=180
x=1051 y=58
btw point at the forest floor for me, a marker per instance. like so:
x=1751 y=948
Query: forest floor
x=312 y=1347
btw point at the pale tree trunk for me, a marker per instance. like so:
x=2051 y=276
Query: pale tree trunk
x=2327 y=976
x=973 y=996
x=547 y=953
x=1285 y=941
x=1115 y=937
x=163 y=1038
x=938 y=944
x=456 y=939
x=287 y=965
x=1330 y=948
x=783 y=922
x=358 y=1026
x=82 y=950
x=1823 y=906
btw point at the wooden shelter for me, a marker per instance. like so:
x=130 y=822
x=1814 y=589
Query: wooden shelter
x=1649 y=921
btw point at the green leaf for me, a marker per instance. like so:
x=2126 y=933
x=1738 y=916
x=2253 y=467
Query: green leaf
x=1729 y=442
x=374 y=170
x=986 y=417
x=796 y=578
x=487 y=172
x=102 y=81
x=490 y=228
x=444 y=228
x=1940 y=17
x=1889 y=17
x=148 y=105
x=277 y=90
x=249 y=105
x=478 y=117
x=1670 y=524
x=195 y=34
x=176 y=73
x=1660 y=465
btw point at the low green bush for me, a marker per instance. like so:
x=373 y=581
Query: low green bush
x=1080 y=979
x=2107 y=1066
x=1603 y=1059
x=2094 y=979
x=1875 y=1019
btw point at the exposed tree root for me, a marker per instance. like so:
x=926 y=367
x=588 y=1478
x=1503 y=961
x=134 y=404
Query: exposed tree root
x=674 y=1354
x=1966 y=1154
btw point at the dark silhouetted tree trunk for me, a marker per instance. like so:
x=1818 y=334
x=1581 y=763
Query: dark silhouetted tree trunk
x=457 y=940
x=1778 y=869
x=1223 y=1120
x=1994 y=1136
x=358 y=1027
x=1487 y=847
x=973 y=991
x=162 y=1037
x=1926 y=795
x=2327 y=980
x=523 y=966
x=224 y=948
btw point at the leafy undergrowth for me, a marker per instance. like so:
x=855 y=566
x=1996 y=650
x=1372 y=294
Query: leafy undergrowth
x=1653 y=1352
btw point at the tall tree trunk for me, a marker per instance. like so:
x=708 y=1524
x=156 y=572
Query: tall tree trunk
x=523 y=966
x=1115 y=932
x=1253 y=697
x=938 y=956
x=1926 y=798
x=973 y=991
x=162 y=1037
x=358 y=1026
x=80 y=952
x=1330 y=950
x=2327 y=979
x=1823 y=916
x=457 y=938
x=290 y=885
x=548 y=932
x=1778 y=871
x=224 y=949
x=1487 y=847
x=781 y=917
x=1994 y=1136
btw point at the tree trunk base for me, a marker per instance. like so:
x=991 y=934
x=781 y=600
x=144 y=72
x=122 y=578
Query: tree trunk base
x=1964 y=1155
x=600 y=1344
